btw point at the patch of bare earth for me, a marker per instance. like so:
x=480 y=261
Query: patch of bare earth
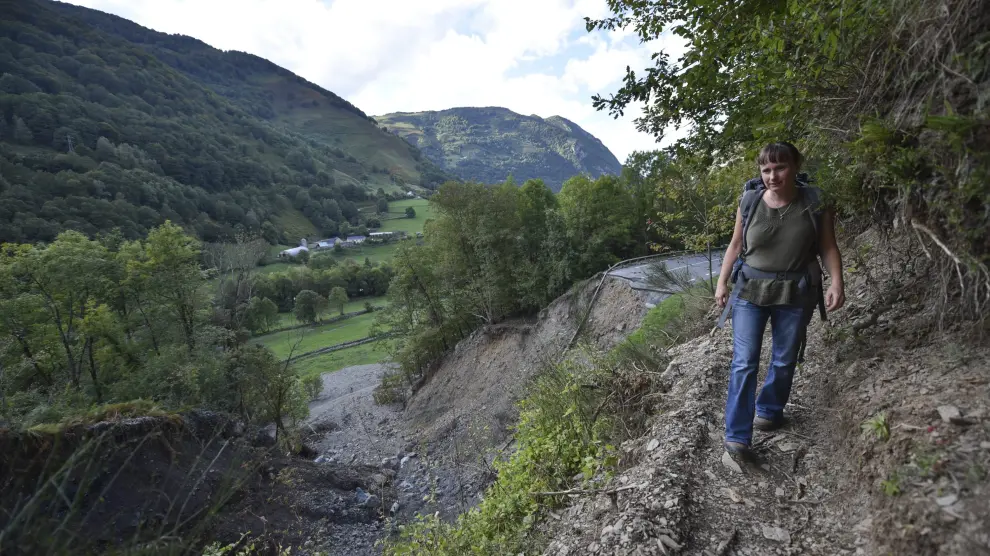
x=825 y=484
x=462 y=417
x=488 y=372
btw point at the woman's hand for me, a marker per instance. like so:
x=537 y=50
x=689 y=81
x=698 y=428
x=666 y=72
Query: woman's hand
x=835 y=297
x=721 y=294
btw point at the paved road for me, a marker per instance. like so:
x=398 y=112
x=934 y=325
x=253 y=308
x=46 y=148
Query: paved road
x=695 y=266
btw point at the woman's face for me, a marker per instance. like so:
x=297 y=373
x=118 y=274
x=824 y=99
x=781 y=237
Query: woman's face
x=777 y=176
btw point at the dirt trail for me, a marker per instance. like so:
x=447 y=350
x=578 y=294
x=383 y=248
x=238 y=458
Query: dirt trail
x=815 y=492
x=915 y=484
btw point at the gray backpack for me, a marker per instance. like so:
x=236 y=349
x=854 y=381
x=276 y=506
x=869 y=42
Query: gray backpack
x=753 y=191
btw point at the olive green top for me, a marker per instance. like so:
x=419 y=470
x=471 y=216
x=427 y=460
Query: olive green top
x=778 y=240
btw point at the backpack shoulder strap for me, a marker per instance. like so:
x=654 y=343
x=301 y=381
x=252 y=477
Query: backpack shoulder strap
x=746 y=205
x=754 y=183
x=816 y=208
x=813 y=197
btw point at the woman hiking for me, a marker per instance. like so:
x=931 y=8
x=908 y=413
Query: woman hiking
x=772 y=262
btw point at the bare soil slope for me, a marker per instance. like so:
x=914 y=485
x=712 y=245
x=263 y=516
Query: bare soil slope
x=476 y=387
x=460 y=419
x=827 y=484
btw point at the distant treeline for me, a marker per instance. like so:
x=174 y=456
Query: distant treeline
x=501 y=250
x=357 y=280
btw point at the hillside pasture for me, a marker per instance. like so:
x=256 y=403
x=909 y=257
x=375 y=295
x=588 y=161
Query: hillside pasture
x=311 y=338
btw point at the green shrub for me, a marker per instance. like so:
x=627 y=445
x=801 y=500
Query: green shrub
x=392 y=389
x=675 y=319
x=313 y=385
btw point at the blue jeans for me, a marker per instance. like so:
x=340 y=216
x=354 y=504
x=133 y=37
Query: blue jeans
x=748 y=323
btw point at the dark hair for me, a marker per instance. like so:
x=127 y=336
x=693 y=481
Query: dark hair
x=780 y=151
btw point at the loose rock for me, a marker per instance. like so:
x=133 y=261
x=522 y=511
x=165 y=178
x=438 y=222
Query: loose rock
x=776 y=534
x=949 y=413
x=947 y=500
x=730 y=463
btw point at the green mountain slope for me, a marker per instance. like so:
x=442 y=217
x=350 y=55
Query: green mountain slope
x=106 y=124
x=488 y=144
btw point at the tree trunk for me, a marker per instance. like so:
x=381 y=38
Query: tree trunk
x=64 y=332
x=26 y=350
x=69 y=356
x=188 y=327
x=151 y=331
x=3 y=391
x=279 y=407
x=93 y=371
x=708 y=282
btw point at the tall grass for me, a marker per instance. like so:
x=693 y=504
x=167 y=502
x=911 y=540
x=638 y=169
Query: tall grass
x=143 y=485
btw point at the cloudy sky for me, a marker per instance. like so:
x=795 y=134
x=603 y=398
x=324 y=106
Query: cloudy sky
x=531 y=56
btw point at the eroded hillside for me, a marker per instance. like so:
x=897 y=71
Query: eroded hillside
x=439 y=449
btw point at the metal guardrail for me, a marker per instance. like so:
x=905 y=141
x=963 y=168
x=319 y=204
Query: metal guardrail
x=626 y=262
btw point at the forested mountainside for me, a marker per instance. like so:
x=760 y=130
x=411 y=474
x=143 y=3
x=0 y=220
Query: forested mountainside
x=106 y=124
x=489 y=144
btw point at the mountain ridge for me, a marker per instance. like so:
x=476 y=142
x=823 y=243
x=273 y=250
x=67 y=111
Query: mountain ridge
x=106 y=124
x=490 y=143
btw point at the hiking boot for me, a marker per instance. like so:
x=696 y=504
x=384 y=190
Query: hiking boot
x=764 y=424
x=741 y=454
x=737 y=448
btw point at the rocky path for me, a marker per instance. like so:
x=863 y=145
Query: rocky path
x=682 y=493
x=784 y=503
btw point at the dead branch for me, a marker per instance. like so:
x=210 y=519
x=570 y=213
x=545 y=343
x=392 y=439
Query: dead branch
x=808 y=502
x=982 y=274
x=921 y=242
x=934 y=238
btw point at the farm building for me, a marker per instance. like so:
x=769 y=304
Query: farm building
x=295 y=251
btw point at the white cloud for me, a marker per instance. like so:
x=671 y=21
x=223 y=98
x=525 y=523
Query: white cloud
x=401 y=55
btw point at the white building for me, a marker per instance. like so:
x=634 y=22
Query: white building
x=327 y=243
x=295 y=251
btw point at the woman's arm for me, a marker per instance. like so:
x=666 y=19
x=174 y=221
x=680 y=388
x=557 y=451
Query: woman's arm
x=731 y=254
x=835 y=296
